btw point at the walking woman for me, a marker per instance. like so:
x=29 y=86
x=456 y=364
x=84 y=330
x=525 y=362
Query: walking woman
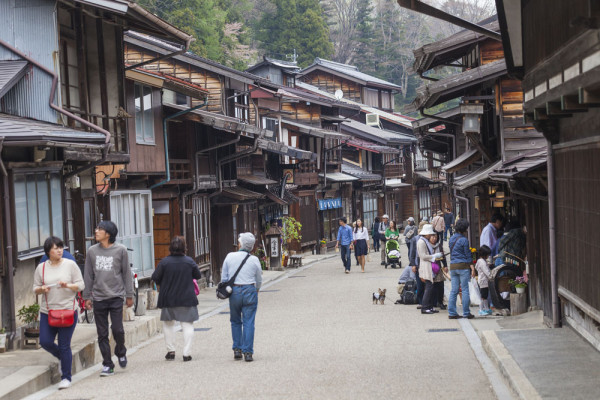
x=392 y=232
x=58 y=280
x=427 y=254
x=461 y=269
x=244 y=298
x=361 y=240
x=177 y=299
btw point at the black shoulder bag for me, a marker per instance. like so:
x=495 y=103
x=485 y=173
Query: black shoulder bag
x=224 y=289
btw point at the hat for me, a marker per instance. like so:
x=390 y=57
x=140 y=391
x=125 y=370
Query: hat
x=440 y=213
x=411 y=219
x=427 y=230
x=386 y=216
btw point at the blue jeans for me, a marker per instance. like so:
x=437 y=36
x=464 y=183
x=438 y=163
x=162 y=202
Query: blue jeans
x=62 y=351
x=459 y=277
x=346 y=256
x=447 y=233
x=242 y=312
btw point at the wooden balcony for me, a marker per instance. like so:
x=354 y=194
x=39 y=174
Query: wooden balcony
x=306 y=178
x=181 y=172
x=394 y=170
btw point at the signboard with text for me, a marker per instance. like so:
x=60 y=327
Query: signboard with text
x=329 y=204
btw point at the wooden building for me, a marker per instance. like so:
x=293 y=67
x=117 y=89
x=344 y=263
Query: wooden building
x=62 y=114
x=222 y=132
x=554 y=47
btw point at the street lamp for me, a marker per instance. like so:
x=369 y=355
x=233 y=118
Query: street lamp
x=471 y=117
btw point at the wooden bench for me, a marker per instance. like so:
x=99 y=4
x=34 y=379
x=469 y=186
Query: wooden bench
x=295 y=261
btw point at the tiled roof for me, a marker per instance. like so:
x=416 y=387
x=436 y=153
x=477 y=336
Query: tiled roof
x=350 y=71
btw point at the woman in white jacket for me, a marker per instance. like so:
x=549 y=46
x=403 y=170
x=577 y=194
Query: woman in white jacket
x=361 y=242
x=426 y=255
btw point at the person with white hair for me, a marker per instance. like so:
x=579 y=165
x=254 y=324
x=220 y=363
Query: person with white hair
x=243 y=301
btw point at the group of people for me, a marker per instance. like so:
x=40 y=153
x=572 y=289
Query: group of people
x=107 y=285
x=356 y=237
x=429 y=267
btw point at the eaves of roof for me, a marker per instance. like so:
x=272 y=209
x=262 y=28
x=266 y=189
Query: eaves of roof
x=162 y=47
x=456 y=85
x=394 y=118
x=350 y=72
x=451 y=48
x=134 y=16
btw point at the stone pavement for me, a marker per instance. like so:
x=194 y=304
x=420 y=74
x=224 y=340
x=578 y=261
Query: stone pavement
x=318 y=336
x=539 y=362
x=23 y=372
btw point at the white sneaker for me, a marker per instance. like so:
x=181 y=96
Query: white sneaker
x=64 y=384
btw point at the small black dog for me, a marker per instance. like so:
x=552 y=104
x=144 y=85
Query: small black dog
x=379 y=296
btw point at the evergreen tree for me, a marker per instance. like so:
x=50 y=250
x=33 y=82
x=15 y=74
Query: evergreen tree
x=295 y=24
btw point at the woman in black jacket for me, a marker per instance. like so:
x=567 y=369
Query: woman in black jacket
x=177 y=297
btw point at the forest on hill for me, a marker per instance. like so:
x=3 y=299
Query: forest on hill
x=377 y=36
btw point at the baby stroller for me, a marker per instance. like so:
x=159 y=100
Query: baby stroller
x=392 y=253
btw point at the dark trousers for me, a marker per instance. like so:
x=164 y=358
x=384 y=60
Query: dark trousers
x=440 y=236
x=375 y=244
x=439 y=293
x=420 y=288
x=408 y=245
x=428 y=296
x=102 y=309
x=62 y=351
x=346 y=256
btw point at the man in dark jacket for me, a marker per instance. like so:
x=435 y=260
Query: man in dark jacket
x=449 y=222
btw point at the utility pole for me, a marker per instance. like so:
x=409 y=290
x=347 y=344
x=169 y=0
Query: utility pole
x=294 y=56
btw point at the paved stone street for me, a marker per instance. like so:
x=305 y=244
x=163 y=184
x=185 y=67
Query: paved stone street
x=318 y=336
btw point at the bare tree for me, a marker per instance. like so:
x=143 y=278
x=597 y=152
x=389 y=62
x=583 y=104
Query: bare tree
x=344 y=18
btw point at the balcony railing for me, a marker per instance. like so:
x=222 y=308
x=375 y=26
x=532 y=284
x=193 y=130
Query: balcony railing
x=421 y=165
x=306 y=174
x=181 y=173
x=394 y=170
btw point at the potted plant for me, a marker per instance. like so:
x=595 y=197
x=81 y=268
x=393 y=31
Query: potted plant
x=2 y=340
x=323 y=243
x=29 y=316
x=519 y=283
x=262 y=257
x=290 y=231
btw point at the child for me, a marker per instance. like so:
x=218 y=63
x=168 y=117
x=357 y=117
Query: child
x=484 y=275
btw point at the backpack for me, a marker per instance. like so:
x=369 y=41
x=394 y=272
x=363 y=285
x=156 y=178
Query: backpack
x=409 y=294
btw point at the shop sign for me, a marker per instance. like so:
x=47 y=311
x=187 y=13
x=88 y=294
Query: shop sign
x=329 y=204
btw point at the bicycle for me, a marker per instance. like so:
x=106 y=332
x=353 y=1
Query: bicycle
x=85 y=315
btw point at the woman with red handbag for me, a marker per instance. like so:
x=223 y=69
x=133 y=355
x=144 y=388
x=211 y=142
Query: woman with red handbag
x=58 y=280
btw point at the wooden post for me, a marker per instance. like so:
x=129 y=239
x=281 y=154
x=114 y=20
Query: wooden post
x=518 y=303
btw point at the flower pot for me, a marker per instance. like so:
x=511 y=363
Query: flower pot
x=285 y=261
x=2 y=342
x=31 y=332
x=520 y=289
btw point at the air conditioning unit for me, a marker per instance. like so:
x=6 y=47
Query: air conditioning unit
x=372 y=119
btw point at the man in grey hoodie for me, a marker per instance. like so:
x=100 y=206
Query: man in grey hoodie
x=108 y=280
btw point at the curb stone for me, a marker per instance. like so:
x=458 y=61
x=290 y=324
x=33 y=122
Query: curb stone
x=508 y=367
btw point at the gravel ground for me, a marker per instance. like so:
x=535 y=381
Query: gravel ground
x=318 y=336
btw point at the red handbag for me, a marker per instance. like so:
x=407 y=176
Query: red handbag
x=59 y=318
